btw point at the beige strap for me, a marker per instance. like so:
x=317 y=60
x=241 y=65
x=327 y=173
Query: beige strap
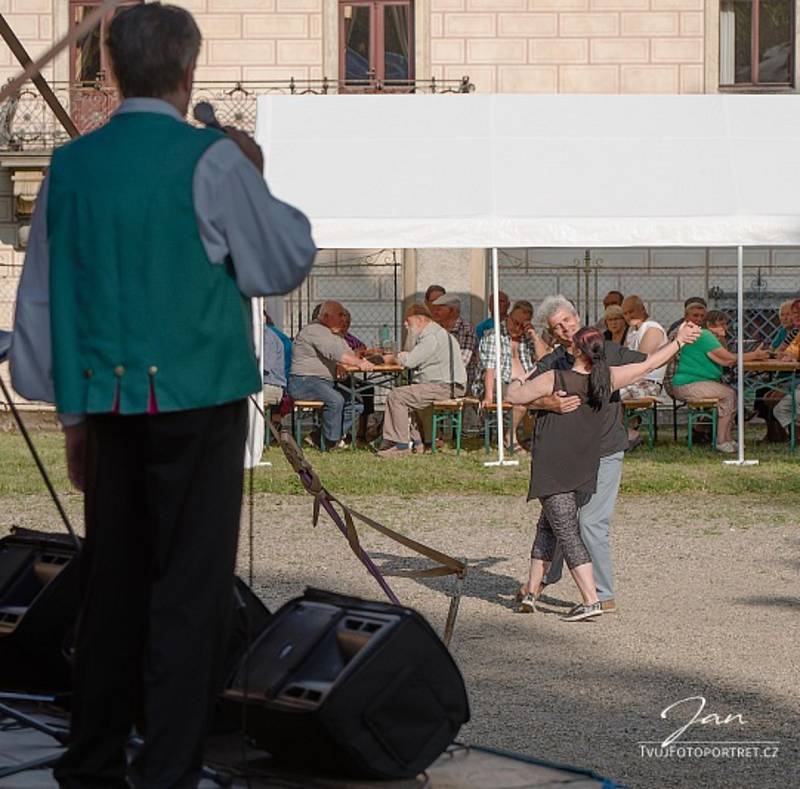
x=447 y=564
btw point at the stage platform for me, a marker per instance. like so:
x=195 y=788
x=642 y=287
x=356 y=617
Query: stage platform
x=463 y=767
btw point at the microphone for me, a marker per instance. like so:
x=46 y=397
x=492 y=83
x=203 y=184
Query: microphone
x=204 y=113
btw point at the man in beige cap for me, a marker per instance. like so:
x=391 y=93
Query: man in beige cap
x=440 y=374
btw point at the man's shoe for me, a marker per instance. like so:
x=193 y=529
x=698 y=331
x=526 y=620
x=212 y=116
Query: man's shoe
x=728 y=447
x=527 y=605
x=394 y=452
x=609 y=606
x=583 y=611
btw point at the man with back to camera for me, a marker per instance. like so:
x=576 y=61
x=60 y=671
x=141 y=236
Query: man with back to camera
x=154 y=234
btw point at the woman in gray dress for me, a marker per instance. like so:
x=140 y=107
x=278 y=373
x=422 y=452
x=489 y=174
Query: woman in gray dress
x=566 y=454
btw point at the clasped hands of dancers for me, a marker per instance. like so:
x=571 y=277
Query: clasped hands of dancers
x=566 y=456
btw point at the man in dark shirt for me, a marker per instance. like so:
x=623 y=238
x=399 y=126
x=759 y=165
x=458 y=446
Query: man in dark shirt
x=595 y=517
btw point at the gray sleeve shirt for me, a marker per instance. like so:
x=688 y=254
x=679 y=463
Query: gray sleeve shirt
x=436 y=356
x=317 y=351
x=269 y=242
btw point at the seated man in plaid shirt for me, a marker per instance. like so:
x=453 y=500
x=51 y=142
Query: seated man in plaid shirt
x=520 y=347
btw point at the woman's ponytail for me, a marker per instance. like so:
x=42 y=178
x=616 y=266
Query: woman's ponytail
x=592 y=345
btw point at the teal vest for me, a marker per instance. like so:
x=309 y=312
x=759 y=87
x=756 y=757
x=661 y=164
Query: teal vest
x=138 y=311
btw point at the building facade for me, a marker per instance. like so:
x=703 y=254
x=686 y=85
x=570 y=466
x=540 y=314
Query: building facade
x=537 y=46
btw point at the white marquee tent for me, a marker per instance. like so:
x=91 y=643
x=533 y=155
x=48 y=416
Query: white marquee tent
x=495 y=170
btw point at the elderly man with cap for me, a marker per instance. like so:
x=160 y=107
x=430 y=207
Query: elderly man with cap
x=440 y=374
x=447 y=313
x=432 y=292
x=133 y=316
x=694 y=311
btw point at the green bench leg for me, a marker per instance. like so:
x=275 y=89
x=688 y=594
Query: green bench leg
x=459 y=417
x=435 y=431
x=647 y=417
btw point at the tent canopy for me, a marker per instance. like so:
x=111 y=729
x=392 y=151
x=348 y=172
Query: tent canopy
x=513 y=170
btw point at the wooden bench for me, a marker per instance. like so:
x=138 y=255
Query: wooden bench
x=700 y=411
x=450 y=413
x=646 y=409
x=301 y=409
x=490 y=424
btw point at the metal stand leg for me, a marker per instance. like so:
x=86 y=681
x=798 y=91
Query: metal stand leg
x=41 y=763
x=58 y=734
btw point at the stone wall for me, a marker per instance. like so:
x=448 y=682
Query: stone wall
x=571 y=46
x=259 y=40
x=34 y=22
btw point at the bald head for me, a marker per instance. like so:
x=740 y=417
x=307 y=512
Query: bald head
x=634 y=311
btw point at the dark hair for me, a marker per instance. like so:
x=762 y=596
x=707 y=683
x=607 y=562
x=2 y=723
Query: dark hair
x=150 y=46
x=717 y=318
x=616 y=293
x=431 y=289
x=521 y=304
x=593 y=346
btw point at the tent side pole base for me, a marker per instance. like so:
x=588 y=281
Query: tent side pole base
x=739 y=462
x=501 y=463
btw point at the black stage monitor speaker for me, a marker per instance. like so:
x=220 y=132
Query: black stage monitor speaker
x=39 y=602
x=39 y=594
x=351 y=687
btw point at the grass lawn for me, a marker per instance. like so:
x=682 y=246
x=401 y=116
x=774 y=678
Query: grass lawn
x=667 y=469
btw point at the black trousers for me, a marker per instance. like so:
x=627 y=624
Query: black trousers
x=162 y=506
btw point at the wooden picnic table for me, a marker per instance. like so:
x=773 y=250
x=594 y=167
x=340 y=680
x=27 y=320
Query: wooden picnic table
x=777 y=384
x=379 y=375
x=771 y=366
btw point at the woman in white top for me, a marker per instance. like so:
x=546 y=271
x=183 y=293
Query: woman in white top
x=644 y=335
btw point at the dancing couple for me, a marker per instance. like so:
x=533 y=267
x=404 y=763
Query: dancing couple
x=567 y=454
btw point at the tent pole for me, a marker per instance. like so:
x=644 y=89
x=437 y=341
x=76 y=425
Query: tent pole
x=498 y=379
x=740 y=360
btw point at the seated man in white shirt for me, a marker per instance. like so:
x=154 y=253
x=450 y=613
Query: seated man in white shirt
x=644 y=335
x=440 y=374
x=317 y=352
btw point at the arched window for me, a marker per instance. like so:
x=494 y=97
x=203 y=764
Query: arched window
x=376 y=44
